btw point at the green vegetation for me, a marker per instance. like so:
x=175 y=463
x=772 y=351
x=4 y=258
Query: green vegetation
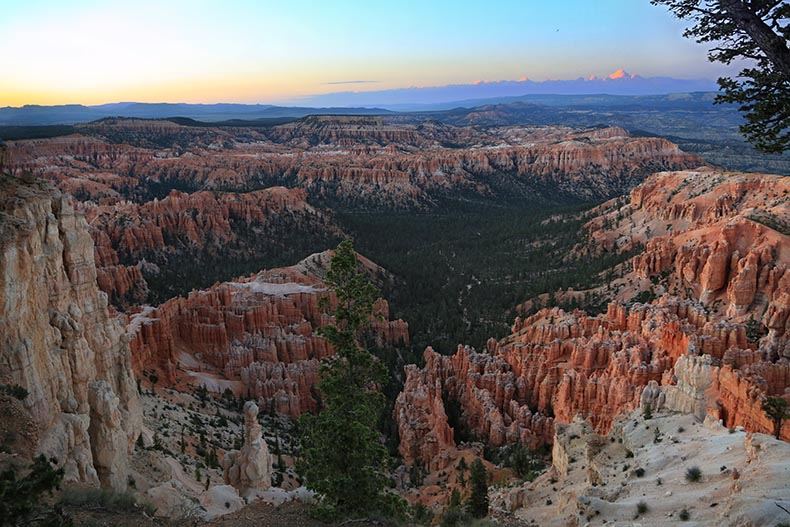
x=684 y=515
x=343 y=459
x=641 y=508
x=478 y=499
x=777 y=411
x=462 y=267
x=14 y=390
x=527 y=463
x=280 y=242
x=21 y=498
x=693 y=474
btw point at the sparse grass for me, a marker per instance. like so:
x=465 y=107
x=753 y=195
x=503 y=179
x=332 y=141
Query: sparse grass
x=693 y=474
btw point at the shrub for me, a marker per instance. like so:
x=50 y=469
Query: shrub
x=639 y=472
x=684 y=515
x=421 y=514
x=14 y=390
x=628 y=453
x=693 y=474
x=21 y=497
x=641 y=508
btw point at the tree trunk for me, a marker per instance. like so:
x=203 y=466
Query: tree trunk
x=773 y=45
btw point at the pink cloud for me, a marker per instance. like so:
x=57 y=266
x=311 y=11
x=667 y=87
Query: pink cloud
x=620 y=74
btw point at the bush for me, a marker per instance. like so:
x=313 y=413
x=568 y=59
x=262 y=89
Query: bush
x=14 y=390
x=693 y=474
x=641 y=508
x=22 y=497
x=684 y=515
x=639 y=472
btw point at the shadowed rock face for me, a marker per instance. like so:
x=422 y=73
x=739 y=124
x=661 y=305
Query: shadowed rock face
x=59 y=341
x=255 y=335
x=716 y=248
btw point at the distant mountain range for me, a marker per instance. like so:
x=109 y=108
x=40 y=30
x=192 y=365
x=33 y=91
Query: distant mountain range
x=34 y=115
x=590 y=90
x=618 y=83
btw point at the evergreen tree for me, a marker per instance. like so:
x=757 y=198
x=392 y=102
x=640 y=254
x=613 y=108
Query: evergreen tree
x=20 y=497
x=343 y=458
x=478 y=499
x=756 y=32
x=776 y=409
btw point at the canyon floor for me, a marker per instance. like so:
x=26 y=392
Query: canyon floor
x=164 y=294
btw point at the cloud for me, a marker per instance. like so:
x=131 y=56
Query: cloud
x=351 y=82
x=621 y=74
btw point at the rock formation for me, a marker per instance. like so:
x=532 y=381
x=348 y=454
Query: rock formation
x=715 y=342
x=362 y=161
x=255 y=335
x=251 y=467
x=601 y=478
x=58 y=339
x=206 y=227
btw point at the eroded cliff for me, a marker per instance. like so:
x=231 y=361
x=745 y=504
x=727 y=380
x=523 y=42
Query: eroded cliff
x=59 y=340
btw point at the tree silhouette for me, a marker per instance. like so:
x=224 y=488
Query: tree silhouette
x=756 y=31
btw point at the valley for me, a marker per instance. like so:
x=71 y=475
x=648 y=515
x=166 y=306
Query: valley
x=541 y=289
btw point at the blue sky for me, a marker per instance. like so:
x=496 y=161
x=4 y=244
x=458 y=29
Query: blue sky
x=87 y=51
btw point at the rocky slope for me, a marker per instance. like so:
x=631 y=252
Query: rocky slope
x=602 y=479
x=59 y=341
x=358 y=161
x=714 y=342
x=255 y=335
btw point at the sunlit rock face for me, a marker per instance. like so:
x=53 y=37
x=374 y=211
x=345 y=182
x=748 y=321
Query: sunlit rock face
x=714 y=342
x=256 y=336
x=59 y=340
x=359 y=161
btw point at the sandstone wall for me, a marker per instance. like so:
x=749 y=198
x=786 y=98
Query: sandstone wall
x=59 y=340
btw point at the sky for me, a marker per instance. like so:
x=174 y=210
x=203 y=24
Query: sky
x=203 y=51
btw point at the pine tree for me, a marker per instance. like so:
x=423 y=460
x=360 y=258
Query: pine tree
x=343 y=458
x=478 y=499
x=776 y=409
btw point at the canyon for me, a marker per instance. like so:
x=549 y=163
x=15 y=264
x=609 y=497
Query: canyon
x=149 y=289
x=257 y=336
x=356 y=161
x=713 y=342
